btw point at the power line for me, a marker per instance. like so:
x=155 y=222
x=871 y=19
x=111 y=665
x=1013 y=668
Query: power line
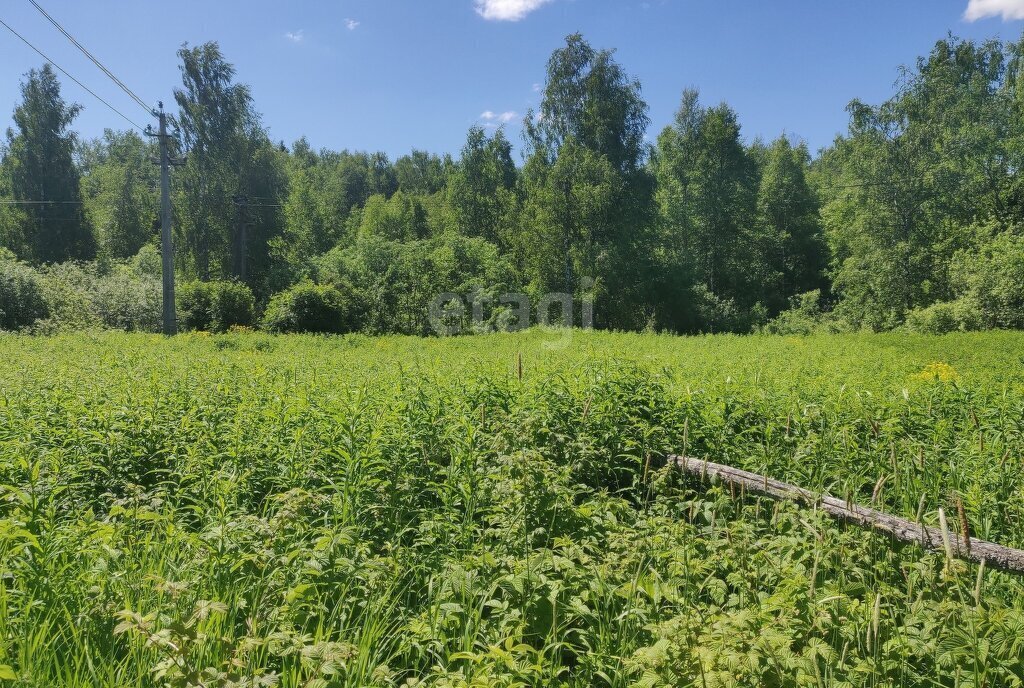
x=95 y=61
x=9 y=202
x=68 y=75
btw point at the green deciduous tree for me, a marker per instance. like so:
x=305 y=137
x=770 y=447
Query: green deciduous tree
x=589 y=194
x=233 y=179
x=422 y=173
x=914 y=172
x=481 y=187
x=790 y=251
x=121 y=189
x=708 y=194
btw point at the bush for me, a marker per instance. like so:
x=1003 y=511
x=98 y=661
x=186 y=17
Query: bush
x=945 y=316
x=68 y=289
x=147 y=262
x=992 y=279
x=21 y=294
x=309 y=307
x=215 y=306
x=805 y=316
x=124 y=302
x=389 y=285
x=717 y=314
x=89 y=295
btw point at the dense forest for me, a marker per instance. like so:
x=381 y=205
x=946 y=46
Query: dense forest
x=914 y=218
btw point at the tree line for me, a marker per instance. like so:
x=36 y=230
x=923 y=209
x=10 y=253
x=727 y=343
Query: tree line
x=913 y=218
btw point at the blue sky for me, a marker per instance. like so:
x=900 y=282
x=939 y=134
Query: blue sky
x=392 y=75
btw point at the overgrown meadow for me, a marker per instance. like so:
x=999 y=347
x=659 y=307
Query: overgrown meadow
x=250 y=510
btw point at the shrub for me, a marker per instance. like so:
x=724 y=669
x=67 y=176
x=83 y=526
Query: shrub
x=68 y=289
x=804 y=316
x=21 y=294
x=89 y=295
x=147 y=262
x=945 y=316
x=215 y=306
x=309 y=307
x=993 y=280
x=124 y=302
x=717 y=314
x=389 y=285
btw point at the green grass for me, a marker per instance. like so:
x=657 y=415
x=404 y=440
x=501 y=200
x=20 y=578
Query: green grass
x=245 y=510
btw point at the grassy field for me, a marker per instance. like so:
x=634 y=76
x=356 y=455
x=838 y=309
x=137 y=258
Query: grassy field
x=245 y=510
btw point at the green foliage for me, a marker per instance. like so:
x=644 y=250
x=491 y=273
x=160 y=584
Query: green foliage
x=909 y=219
x=324 y=190
x=914 y=174
x=249 y=510
x=21 y=294
x=422 y=173
x=992 y=280
x=788 y=245
x=590 y=99
x=395 y=282
x=481 y=192
x=309 y=307
x=13 y=218
x=228 y=191
x=120 y=188
x=739 y=226
x=122 y=300
x=569 y=207
x=804 y=316
x=147 y=262
x=708 y=187
x=945 y=316
x=90 y=295
x=989 y=284
x=588 y=197
x=719 y=314
x=69 y=289
x=215 y=306
x=400 y=218
x=39 y=166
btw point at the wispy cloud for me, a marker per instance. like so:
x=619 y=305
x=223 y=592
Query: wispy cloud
x=496 y=118
x=507 y=10
x=1009 y=10
x=351 y=24
x=295 y=36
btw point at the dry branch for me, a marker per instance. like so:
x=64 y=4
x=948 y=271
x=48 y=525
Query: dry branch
x=902 y=529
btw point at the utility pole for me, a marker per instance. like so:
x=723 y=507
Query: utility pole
x=166 y=247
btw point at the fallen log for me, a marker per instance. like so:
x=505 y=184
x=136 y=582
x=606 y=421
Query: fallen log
x=902 y=529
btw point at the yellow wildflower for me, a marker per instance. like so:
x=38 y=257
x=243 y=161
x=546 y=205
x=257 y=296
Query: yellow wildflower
x=938 y=372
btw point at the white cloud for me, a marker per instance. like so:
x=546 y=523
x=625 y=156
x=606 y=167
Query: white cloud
x=351 y=24
x=495 y=118
x=537 y=88
x=507 y=10
x=1009 y=10
x=295 y=36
